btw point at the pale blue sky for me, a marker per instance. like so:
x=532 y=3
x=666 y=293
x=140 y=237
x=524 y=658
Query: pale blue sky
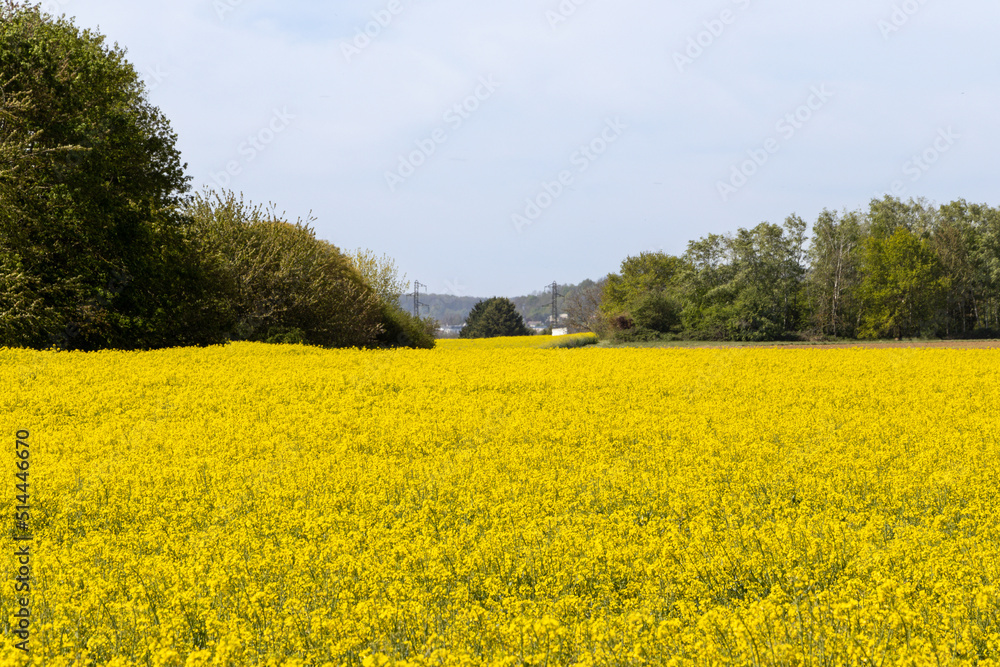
x=585 y=130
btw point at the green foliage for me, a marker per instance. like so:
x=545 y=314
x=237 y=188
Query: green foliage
x=380 y=273
x=707 y=289
x=493 y=318
x=640 y=275
x=402 y=329
x=640 y=335
x=888 y=214
x=99 y=248
x=965 y=241
x=902 y=285
x=896 y=269
x=834 y=276
x=399 y=328
x=656 y=311
x=573 y=341
x=747 y=286
x=281 y=336
x=89 y=183
x=768 y=280
x=643 y=301
x=274 y=276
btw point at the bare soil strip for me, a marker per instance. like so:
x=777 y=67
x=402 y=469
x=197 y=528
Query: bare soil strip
x=949 y=344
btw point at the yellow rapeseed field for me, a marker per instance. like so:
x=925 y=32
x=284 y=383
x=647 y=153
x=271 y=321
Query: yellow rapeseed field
x=483 y=503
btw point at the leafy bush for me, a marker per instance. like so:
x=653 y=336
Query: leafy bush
x=656 y=311
x=272 y=275
x=621 y=322
x=280 y=336
x=401 y=329
x=637 y=335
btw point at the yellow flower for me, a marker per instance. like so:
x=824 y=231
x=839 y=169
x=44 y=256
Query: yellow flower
x=498 y=503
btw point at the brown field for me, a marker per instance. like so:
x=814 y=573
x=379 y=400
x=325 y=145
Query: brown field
x=875 y=344
x=962 y=344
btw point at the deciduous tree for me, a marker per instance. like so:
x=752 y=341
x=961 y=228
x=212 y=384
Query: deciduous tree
x=90 y=180
x=381 y=274
x=493 y=318
x=902 y=285
x=834 y=273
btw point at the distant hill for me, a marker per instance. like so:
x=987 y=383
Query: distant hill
x=451 y=310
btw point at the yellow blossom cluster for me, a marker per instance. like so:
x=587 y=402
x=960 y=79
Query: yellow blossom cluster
x=488 y=504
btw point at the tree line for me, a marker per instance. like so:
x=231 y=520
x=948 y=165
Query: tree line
x=896 y=269
x=451 y=309
x=103 y=246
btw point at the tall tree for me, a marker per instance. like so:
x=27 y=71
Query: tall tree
x=709 y=288
x=888 y=214
x=986 y=252
x=639 y=275
x=902 y=285
x=952 y=243
x=493 y=318
x=583 y=307
x=834 y=272
x=964 y=241
x=645 y=294
x=768 y=278
x=90 y=181
x=746 y=286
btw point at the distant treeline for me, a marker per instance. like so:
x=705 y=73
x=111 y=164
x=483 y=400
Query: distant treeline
x=453 y=310
x=897 y=269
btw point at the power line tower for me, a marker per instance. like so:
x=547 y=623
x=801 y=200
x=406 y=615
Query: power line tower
x=555 y=305
x=416 y=299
